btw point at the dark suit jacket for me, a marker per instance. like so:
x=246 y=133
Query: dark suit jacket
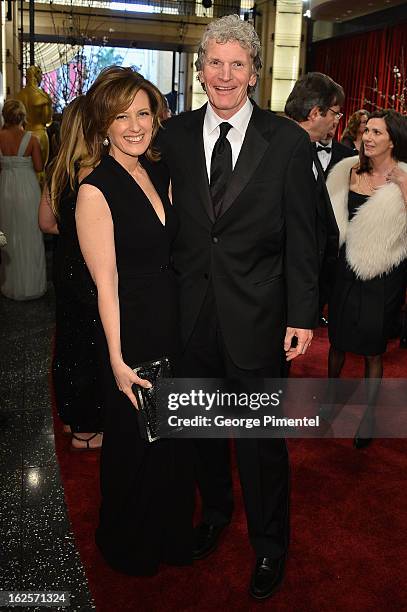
x=260 y=254
x=339 y=151
x=327 y=229
x=327 y=234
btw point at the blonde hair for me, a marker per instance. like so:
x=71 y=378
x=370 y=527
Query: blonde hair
x=72 y=150
x=14 y=112
x=112 y=93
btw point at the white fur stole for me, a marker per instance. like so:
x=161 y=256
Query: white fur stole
x=376 y=237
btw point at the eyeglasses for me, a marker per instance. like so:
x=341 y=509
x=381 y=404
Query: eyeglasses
x=337 y=115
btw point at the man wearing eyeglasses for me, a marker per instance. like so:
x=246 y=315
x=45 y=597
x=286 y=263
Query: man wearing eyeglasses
x=315 y=104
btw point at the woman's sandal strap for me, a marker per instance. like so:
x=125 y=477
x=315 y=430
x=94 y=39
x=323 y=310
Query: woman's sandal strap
x=87 y=440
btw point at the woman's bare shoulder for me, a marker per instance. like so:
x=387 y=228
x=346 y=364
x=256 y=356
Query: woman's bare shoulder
x=91 y=195
x=34 y=139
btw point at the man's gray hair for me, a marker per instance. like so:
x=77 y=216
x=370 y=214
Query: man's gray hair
x=231 y=28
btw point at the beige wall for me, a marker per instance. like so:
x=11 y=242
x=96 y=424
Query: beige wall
x=11 y=52
x=265 y=26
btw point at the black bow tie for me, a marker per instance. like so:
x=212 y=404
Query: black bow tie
x=321 y=148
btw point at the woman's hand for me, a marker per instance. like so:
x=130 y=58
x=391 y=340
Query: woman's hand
x=398 y=176
x=125 y=378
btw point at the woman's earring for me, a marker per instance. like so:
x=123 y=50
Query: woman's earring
x=106 y=142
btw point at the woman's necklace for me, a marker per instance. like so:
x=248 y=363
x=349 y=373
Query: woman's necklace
x=369 y=179
x=372 y=188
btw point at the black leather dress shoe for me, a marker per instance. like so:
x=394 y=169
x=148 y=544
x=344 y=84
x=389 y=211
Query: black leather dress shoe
x=206 y=539
x=267 y=577
x=403 y=342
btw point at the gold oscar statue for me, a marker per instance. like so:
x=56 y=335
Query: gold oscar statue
x=38 y=105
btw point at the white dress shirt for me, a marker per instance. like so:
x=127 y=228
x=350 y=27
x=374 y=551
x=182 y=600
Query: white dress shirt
x=324 y=156
x=236 y=134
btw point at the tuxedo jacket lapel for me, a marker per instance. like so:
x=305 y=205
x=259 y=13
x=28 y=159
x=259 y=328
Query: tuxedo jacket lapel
x=324 y=206
x=253 y=148
x=339 y=152
x=198 y=163
x=321 y=187
x=335 y=157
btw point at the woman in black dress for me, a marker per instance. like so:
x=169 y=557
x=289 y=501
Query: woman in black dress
x=75 y=366
x=126 y=225
x=369 y=198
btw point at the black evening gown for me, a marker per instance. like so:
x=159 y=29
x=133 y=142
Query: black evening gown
x=75 y=367
x=362 y=314
x=147 y=488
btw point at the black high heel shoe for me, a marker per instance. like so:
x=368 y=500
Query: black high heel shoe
x=360 y=443
x=363 y=437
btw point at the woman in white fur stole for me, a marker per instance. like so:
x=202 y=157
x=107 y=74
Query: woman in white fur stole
x=369 y=198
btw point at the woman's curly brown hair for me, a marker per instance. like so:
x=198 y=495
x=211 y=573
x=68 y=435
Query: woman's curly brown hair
x=351 y=130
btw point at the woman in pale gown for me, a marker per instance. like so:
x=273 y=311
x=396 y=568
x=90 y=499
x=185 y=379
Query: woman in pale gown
x=22 y=272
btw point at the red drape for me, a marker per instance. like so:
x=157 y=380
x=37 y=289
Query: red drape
x=364 y=62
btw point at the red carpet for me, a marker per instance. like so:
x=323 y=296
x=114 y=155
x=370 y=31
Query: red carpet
x=348 y=532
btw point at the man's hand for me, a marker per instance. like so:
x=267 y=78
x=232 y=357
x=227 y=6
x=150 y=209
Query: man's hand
x=304 y=337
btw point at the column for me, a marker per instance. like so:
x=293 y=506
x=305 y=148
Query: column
x=287 y=51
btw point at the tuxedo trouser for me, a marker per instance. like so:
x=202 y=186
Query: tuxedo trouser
x=262 y=463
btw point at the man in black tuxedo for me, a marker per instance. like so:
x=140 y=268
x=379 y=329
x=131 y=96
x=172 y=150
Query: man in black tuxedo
x=315 y=103
x=330 y=151
x=246 y=259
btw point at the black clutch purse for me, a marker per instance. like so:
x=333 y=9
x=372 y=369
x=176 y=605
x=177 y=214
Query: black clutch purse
x=148 y=418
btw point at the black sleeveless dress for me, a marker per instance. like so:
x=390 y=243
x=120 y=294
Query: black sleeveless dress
x=75 y=366
x=147 y=488
x=362 y=314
